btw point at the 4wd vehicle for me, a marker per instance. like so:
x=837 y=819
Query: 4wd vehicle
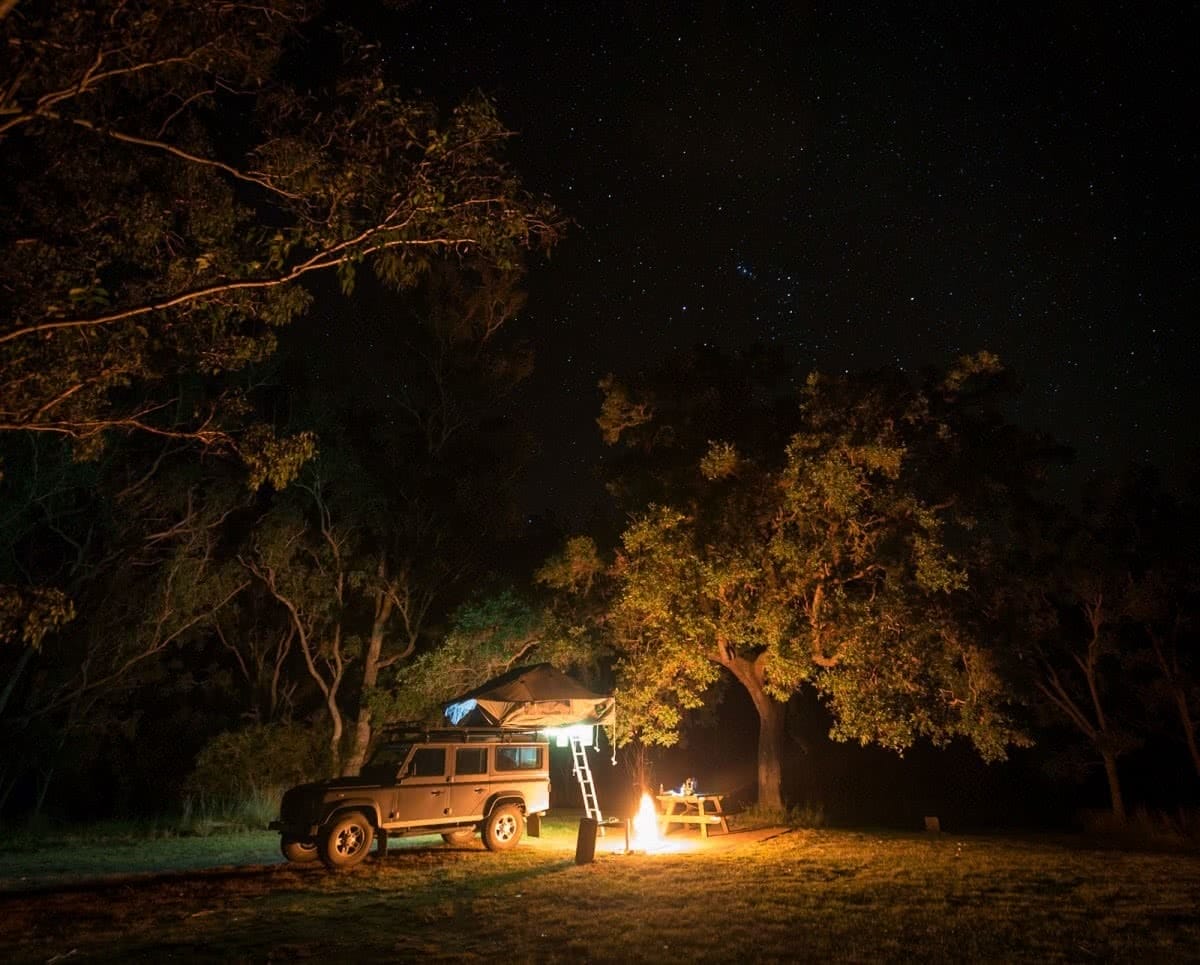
x=453 y=782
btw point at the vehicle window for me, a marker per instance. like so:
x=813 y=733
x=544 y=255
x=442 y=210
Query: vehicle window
x=470 y=760
x=518 y=758
x=389 y=756
x=428 y=762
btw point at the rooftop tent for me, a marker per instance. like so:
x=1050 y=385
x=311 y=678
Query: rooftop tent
x=535 y=696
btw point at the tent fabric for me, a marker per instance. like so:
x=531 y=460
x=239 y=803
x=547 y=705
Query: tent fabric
x=535 y=696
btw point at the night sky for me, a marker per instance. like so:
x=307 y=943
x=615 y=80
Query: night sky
x=862 y=187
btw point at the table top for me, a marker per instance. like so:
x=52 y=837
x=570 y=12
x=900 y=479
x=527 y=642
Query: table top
x=692 y=798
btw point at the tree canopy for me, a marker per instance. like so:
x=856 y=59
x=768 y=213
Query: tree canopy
x=183 y=170
x=830 y=564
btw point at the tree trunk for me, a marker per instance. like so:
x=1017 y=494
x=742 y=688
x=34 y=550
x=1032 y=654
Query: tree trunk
x=372 y=663
x=11 y=684
x=1188 y=725
x=1114 y=785
x=335 y=735
x=771 y=715
x=770 y=743
x=362 y=726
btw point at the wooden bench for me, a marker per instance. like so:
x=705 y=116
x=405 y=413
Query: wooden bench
x=687 y=809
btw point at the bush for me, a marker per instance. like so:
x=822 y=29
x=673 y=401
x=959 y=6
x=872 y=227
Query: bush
x=1146 y=828
x=240 y=775
x=807 y=815
x=258 y=762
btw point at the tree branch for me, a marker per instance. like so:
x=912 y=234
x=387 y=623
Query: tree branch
x=326 y=258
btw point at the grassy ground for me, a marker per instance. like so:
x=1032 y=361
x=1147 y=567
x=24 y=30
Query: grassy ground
x=797 y=895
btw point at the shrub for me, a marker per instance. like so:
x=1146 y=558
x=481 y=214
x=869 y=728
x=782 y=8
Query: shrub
x=806 y=815
x=263 y=757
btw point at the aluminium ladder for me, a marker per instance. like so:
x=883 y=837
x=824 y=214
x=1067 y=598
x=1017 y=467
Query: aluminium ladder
x=583 y=773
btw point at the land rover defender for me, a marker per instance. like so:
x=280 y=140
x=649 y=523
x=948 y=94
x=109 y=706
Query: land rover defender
x=456 y=782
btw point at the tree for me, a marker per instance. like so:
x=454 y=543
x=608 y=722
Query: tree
x=488 y=637
x=1109 y=597
x=1122 y=603
x=1163 y=606
x=1079 y=663
x=181 y=170
x=306 y=562
x=152 y=586
x=180 y=176
x=1157 y=532
x=827 y=567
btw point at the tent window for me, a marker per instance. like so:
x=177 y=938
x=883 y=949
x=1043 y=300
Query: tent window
x=470 y=760
x=518 y=758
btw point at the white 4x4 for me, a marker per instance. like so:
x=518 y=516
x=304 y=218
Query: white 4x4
x=454 y=782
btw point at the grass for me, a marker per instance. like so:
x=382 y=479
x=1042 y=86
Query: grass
x=802 y=894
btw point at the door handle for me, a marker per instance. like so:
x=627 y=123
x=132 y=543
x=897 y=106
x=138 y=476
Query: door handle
x=480 y=789
x=435 y=793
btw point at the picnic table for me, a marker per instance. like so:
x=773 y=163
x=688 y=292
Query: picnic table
x=685 y=809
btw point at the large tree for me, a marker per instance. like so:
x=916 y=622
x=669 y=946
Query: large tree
x=828 y=565
x=176 y=171
x=179 y=178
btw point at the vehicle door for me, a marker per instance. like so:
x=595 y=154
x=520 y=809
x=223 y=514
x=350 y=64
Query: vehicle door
x=423 y=789
x=470 y=786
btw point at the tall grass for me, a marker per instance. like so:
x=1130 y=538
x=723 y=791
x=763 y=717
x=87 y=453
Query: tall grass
x=807 y=815
x=1179 y=828
x=202 y=814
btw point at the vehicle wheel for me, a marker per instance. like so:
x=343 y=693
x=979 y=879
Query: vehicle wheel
x=346 y=842
x=298 y=850
x=502 y=830
x=465 y=836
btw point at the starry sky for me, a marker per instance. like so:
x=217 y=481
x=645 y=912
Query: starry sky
x=862 y=186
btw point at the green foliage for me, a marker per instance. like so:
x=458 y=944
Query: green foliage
x=27 y=614
x=575 y=569
x=261 y=757
x=488 y=637
x=273 y=460
x=158 y=226
x=720 y=462
x=618 y=410
x=827 y=568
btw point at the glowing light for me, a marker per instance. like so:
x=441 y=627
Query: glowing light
x=645 y=826
x=585 y=733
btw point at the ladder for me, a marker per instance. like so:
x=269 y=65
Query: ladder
x=583 y=773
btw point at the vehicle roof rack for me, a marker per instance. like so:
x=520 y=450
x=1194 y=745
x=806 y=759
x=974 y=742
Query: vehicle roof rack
x=464 y=734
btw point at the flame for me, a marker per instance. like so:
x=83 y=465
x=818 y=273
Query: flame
x=645 y=825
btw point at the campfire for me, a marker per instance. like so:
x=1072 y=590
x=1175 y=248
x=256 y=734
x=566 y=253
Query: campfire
x=645 y=834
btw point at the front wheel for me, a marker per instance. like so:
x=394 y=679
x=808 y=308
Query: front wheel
x=346 y=842
x=502 y=830
x=298 y=850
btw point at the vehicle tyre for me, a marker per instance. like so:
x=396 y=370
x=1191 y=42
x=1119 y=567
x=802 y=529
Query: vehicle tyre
x=502 y=830
x=346 y=842
x=465 y=836
x=298 y=850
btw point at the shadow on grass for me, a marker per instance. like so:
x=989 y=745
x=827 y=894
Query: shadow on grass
x=139 y=880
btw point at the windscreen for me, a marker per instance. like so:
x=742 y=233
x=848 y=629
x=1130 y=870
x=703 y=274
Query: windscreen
x=388 y=757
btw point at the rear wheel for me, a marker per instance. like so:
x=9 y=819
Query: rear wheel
x=298 y=850
x=465 y=836
x=502 y=830
x=346 y=842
